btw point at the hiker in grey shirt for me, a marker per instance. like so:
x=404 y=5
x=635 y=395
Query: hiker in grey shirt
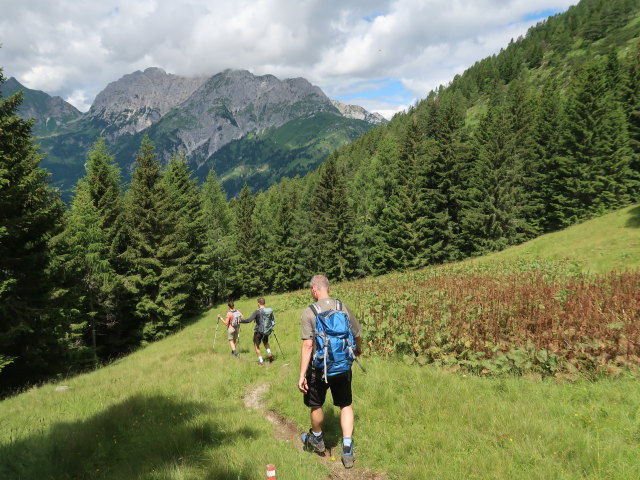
x=311 y=381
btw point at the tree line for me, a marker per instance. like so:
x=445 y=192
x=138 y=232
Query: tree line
x=521 y=144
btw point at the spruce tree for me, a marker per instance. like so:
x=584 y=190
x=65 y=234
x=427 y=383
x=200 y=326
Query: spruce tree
x=185 y=204
x=139 y=231
x=31 y=345
x=287 y=269
x=593 y=170
x=631 y=104
x=218 y=279
x=404 y=222
x=332 y=222
x=444 y=179
x=84 y=262
x=494 y=216
x=248 y=251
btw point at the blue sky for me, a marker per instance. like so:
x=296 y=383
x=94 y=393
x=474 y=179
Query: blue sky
x=381 y=54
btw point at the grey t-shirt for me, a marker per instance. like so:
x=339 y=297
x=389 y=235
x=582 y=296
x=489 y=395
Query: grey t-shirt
x=308 y=318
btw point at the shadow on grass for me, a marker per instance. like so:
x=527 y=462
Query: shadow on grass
x=142 y=437
x=634 y=218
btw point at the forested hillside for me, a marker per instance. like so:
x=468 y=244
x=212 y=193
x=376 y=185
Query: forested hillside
x=537 y=138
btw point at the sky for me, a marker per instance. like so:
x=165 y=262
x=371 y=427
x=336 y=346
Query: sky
x=383 y=55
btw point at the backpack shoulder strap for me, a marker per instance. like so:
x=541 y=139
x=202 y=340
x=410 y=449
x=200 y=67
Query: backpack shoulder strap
x=338 y=305
x=314 y=308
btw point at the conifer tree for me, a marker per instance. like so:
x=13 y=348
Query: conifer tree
x=286 y=256
x=84 y=261
x=31 y=344
x=371 y=189
x=631 y=103
x=593 y=170
x=139 y=232
x=332 y=222
x=248 y=251
x=185 y=204
x=218 y=281
x=404 y=219
x=494 y=216
x=444 y=179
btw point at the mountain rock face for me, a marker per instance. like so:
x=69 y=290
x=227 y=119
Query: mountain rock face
x=140 y=99
x=248 y=115
x=358 y=113
x=234 y=103
x=49 y=113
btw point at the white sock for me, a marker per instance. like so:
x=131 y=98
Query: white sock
x=260 y=358
x=269 y=351
x=316 y=434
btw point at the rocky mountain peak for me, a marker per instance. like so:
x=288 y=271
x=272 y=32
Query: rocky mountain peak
x=139 y=99
x=358 y=113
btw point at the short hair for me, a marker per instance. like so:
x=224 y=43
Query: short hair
x=320 y=281
x=261 y=301
x=230 y=304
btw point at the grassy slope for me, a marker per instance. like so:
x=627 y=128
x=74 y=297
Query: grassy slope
x=610 y=242
x=173 y=410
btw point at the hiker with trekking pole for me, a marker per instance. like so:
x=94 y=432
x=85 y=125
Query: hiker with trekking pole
x=265 y=322
x=232 y=322
x=331 y=341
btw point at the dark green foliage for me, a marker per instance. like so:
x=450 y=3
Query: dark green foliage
x=30 y=214
x=332 y=223
x=84 y=265
x=592 y=171
x=219 y=242
x=248 y=250
x=404 y=222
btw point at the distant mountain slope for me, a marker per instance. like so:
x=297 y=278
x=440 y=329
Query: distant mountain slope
x=50 y=113
x=197 y=117
x=610 y=242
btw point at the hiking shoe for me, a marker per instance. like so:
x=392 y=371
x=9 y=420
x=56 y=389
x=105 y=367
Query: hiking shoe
x=313 y=443
x=260 y=363
x=270 y=358
x=348 y=456
x=235 y=354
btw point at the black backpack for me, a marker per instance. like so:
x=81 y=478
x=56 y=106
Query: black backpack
x=267 y=321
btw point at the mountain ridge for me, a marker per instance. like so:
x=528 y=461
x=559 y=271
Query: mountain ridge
x=195 y=117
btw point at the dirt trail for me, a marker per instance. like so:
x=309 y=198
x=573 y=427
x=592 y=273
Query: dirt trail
x=287 y=431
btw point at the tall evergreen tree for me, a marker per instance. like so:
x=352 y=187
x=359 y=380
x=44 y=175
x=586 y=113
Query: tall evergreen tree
x=84 y=259
x=185 y=203
x=593 y=165
x=444 y=179
x=218 y=281
x=404 y=222
x=287 y=270
x=138 y=237
x=631 y=103
x=30 y=214
x=248 y=248
x=332 y=223
x=495 y=217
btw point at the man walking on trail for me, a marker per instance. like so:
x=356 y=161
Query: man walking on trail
x=264 y=324
x=314 y=381
x=232 y=322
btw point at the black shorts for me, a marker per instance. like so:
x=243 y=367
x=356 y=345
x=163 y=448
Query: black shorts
x=259 y=337
x=339 y=384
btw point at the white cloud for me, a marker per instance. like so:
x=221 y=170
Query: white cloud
x=73 y=48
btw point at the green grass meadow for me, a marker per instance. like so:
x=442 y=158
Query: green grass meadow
x=174 y=410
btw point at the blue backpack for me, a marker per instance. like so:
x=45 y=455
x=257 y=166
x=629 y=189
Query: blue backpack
x=334 y=343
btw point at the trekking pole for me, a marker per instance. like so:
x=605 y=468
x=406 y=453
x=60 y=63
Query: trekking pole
x=356 y=359
x=278 y=342
x=215 y=336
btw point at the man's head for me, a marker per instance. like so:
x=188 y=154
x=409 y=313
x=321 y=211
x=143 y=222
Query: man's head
x=261 y=302
x=230 y=304
x=319 y=287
